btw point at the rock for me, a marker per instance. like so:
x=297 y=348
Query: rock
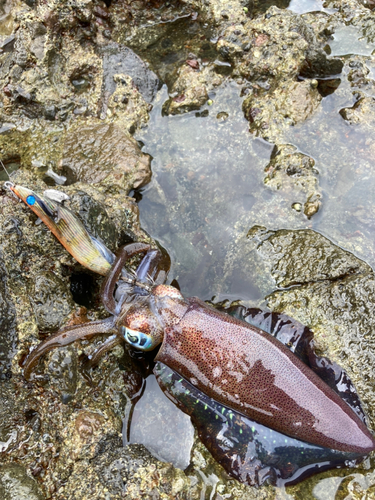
x=298 y=257
x=289 y=104
x=129 y=472
x=294 y=173
x=254 y=49
x=132 y=472
x=118 y=59
x=224 y=13
x=95 y=218
x=103 y=153
x=7 y=318
x=359 y=75
x=191 y=88
x=126 y=105
x=51 y=299
x=362 y=113
x=10 y=410
x=62 y=371
x=16 y=484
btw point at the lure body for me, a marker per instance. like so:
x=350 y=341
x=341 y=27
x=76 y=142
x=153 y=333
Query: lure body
x=67 y=228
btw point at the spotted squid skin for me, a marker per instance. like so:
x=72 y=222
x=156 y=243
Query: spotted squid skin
x=248 y=370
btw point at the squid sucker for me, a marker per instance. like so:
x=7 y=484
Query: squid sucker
x=266 y=413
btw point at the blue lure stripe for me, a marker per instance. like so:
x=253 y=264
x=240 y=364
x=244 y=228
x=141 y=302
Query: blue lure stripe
x=30 y=200
x=44 y=207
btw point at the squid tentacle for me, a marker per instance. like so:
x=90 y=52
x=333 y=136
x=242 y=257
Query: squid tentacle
x=65 y=337
x=110 y=281
x=106 y=346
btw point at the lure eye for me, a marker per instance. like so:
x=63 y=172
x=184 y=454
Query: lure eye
x=138 y=340
x=30 y=200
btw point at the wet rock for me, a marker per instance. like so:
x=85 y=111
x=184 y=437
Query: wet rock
x=312 y=205
x=9 y=411
x=291 y=103
x=255 y=49
x=224 y=13
x=51 y=299
x=191 y=89
x=16 y=484
x=62 y=369
x=95 y=218
x=297 y=257
x=8 y=336
x=126 y=105
x=43 y=55
x=132 y=472
x=360 y=76
x=87 y=432
x=124 y=472
x=103 y=153
x=118 y=59
x=294 y=173
x=363 y=112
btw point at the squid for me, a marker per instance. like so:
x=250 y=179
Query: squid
x=267 y=408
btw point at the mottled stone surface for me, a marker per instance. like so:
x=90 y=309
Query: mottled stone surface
x=102 y=153
x=294 y=173
x=289 y=104
x=16 y=484
x=191 y=88
x=363 y=112
x=72 y=94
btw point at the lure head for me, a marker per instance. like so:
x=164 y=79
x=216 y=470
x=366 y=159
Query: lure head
x=41 y=206
x=143 y=319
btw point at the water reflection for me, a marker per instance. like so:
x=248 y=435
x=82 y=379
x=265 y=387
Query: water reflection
x=207 y=173
x=303 y=6
x=161 y=427
x=350 y=40
x=208 y=190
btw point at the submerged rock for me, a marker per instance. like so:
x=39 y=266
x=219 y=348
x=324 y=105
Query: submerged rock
x=362 y=113
x=294 y=173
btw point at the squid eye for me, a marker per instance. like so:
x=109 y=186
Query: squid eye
x=136 y=339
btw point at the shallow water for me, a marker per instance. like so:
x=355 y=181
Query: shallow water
x=303 y=6
x=207 y=171
x=156 y=422
x=207 y=188
x=350 y=40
